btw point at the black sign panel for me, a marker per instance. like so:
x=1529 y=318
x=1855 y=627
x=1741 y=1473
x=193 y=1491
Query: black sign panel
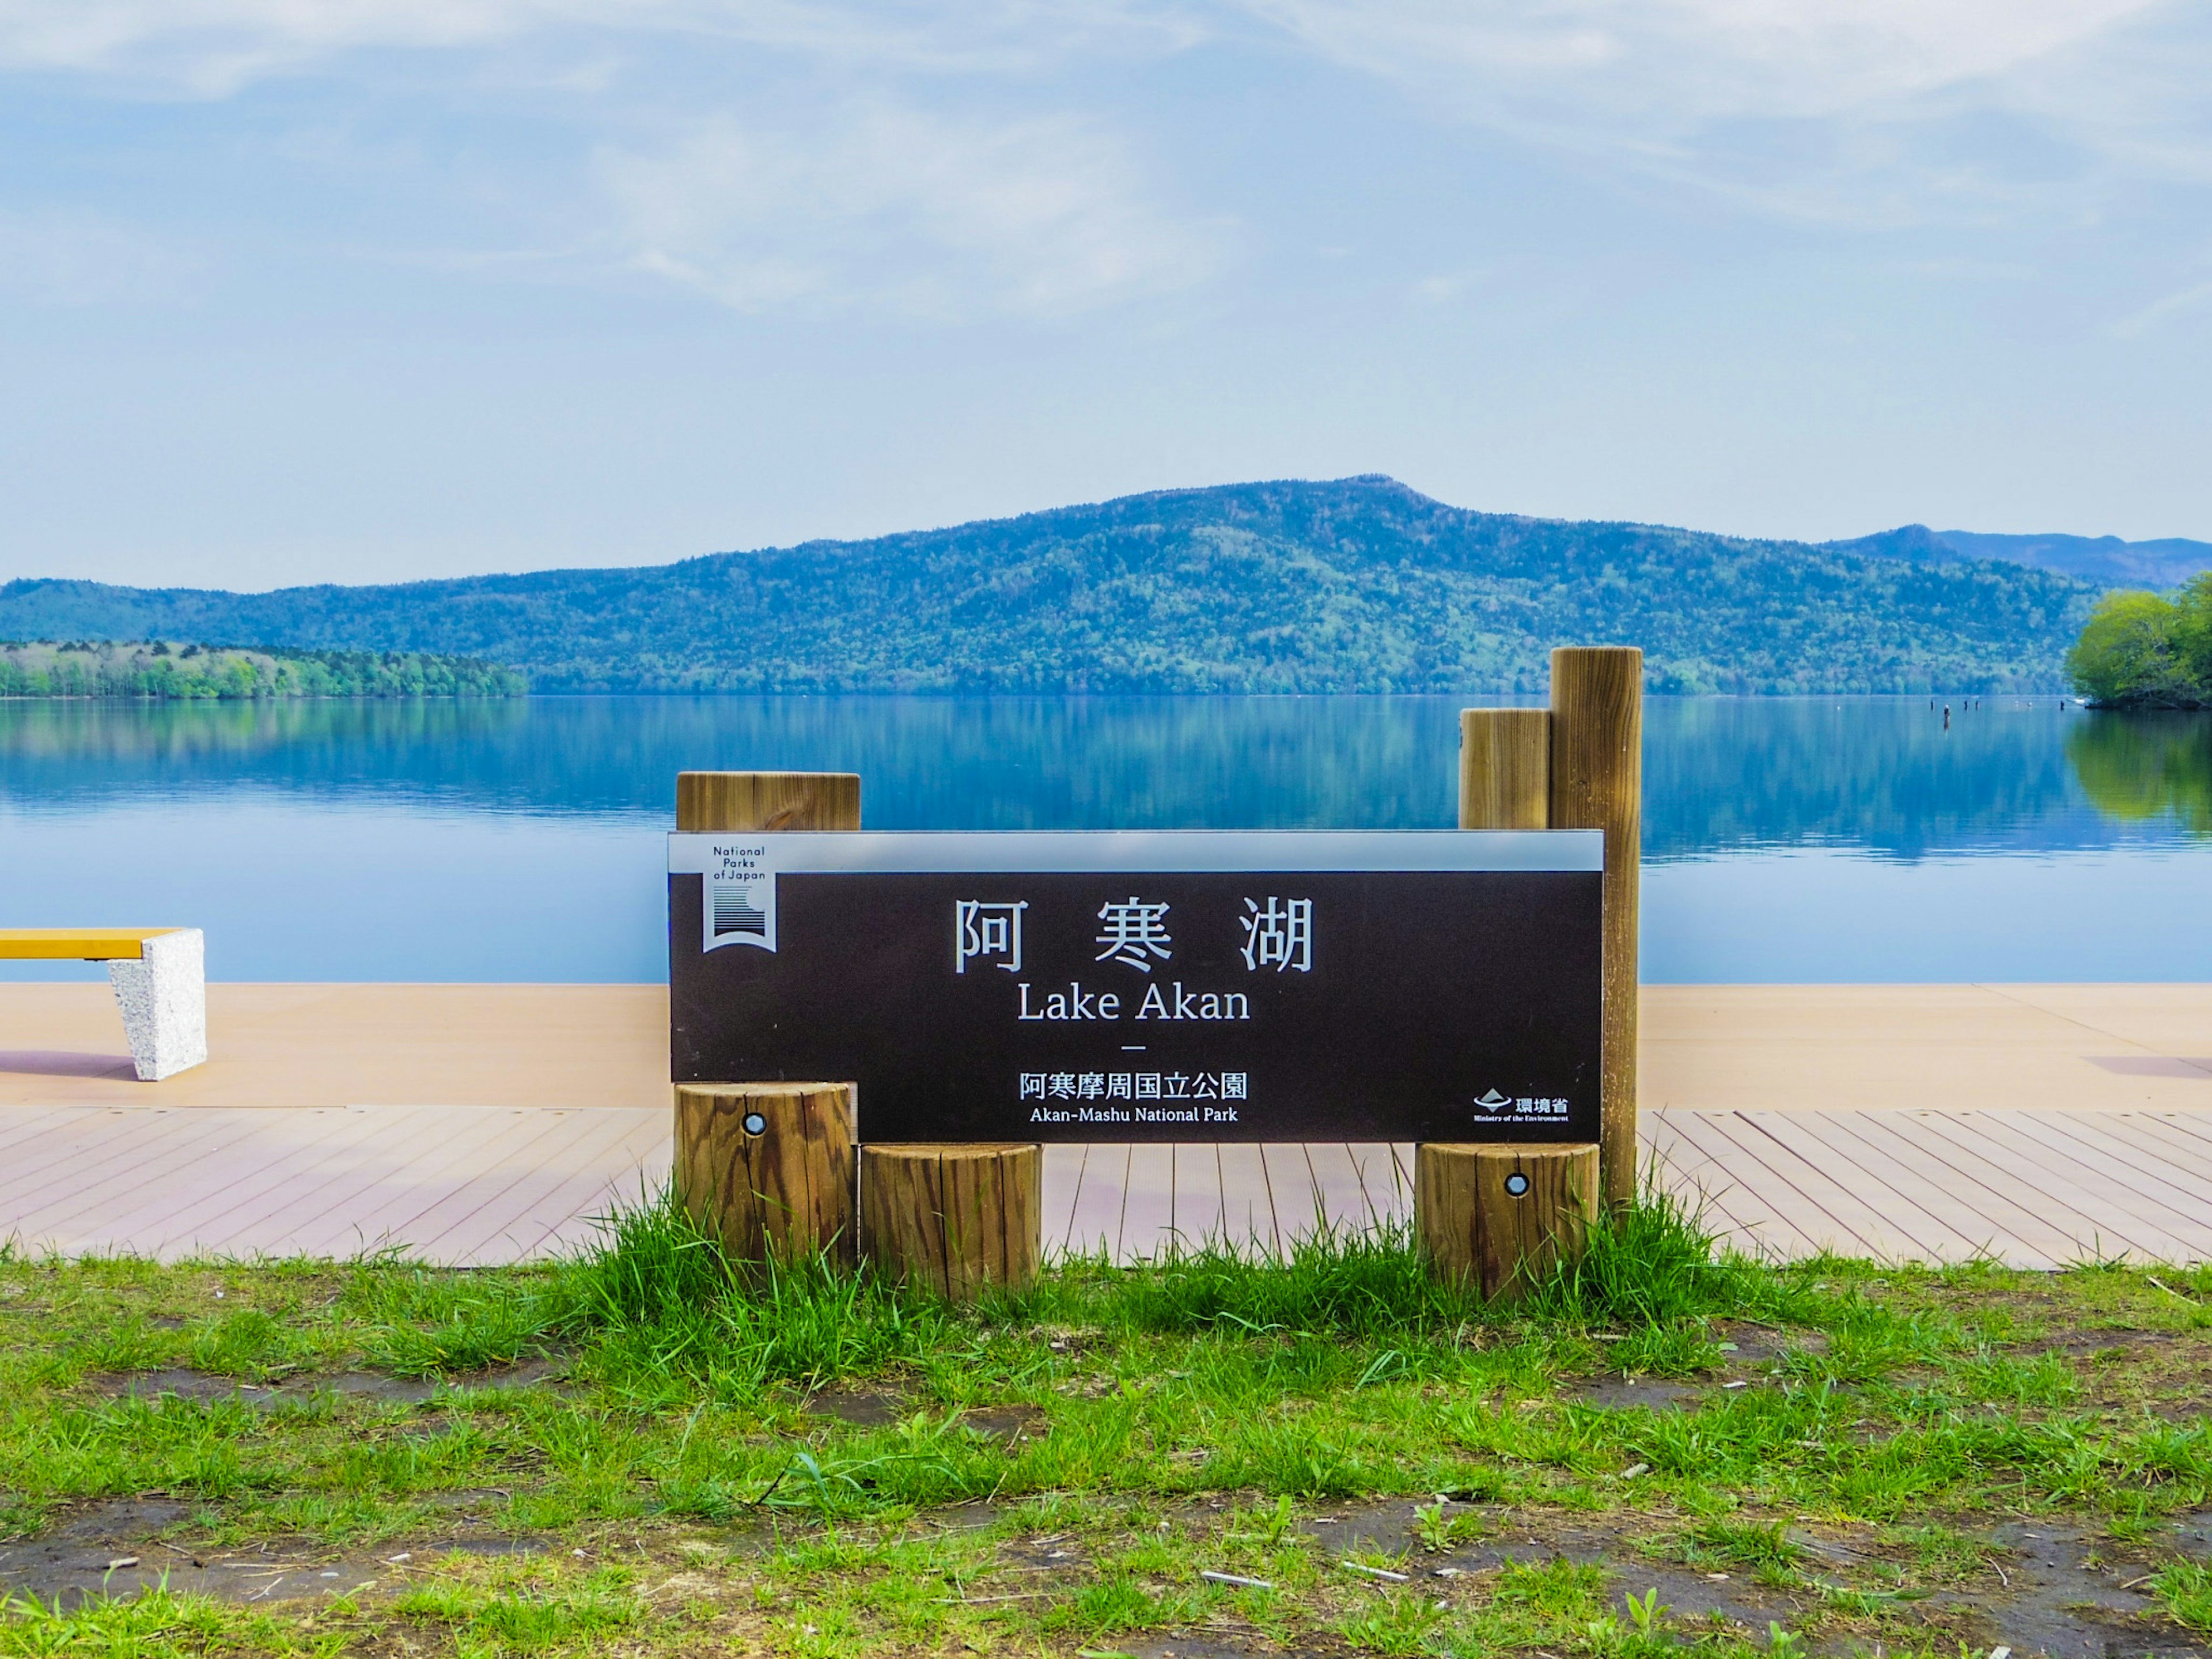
x=1292 y=986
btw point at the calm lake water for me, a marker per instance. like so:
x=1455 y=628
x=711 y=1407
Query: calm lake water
x=1786 y=839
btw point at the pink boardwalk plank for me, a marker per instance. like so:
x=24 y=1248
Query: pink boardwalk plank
x=424 y=1155
x=92 y=1150
x=369 y=1201
x=474 y=1218
x=283 y=1154
x=2110 y=1215
x=1094 y=1222
x=1248 y=1210
x=1059 y=1188
x=101 y=1158
x=604 y=1165
x=1147 y=1204
x=651 y=1173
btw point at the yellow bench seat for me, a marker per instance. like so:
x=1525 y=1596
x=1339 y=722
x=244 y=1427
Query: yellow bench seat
x=77 y=944
x=160 y=976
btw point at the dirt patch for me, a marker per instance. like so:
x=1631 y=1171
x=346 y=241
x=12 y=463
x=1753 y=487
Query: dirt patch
x=2051 y=1589
x=863 y=1408
x=471 y=1498
x=369 y=1385
x=491 y=1546
x=182 y=1383
x=122 y=1520
x=1010 y=1424
x=1743 y=1344
x=1618 y=1392
x=2069 y=1598
x=1214 y=1644
x=2107 y=1344
x=66 y=1572
x=549 y=1374
x=1050 y=1552
x=114 y=1550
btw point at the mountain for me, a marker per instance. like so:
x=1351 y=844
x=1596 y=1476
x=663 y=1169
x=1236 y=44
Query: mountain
x=2106 y=561
x=1353 y=585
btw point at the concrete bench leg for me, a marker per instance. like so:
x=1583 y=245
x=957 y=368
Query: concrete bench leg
x=163 y=996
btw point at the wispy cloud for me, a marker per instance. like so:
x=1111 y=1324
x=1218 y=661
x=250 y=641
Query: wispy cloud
x=210 y=47
x=933 y=163
x=1877 y=111
x=2159 y=312
x=887 y=205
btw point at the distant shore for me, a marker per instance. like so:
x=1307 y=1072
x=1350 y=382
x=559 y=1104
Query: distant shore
x=164 y=671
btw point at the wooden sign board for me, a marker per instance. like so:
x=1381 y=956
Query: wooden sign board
x=1129 y=986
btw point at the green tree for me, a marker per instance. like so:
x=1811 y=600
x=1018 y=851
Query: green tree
x=2192 y=630
x=2129 y=653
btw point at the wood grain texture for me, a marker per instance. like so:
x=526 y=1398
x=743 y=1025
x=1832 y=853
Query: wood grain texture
x=1597 y=783
x=955 y=1218
x=767 y=801
x=1504 y=768
x=1472 y=1225
x=782 y=1192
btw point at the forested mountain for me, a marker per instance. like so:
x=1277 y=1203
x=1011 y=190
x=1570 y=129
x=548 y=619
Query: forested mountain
x=1354 y=585
x=2104 y=561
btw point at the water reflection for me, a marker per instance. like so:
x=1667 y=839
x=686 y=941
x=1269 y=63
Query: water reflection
x=1787 y=839
x=2143 y=768
x=1882 y=775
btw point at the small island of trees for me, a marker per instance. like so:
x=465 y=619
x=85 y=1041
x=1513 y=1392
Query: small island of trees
x=2142 y=650
x=162 y=670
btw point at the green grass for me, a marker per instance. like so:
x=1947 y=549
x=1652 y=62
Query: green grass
x=690 y=1492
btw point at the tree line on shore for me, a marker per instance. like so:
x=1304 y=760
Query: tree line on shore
x=161 y=669
x=2144 y=650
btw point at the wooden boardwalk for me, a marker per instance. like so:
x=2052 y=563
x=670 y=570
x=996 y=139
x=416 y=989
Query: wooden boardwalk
x=465 y=1186
x=473 y=1186
x=2038 y=1189
x=2039 y=1125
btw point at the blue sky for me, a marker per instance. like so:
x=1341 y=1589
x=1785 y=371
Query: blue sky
x=298 y=290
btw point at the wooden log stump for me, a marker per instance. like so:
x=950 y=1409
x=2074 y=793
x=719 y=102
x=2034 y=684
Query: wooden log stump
x=1502 y=1216
x=955 y=1218
x=767 y=1168
x=1597 y=783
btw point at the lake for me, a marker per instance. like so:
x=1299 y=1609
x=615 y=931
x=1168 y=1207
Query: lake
x=1786 y=839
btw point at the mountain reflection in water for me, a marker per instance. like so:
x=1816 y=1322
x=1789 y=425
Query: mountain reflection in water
x=520 y=838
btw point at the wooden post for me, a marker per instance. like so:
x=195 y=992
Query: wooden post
x=1504 y=768
x=1502 y=1216
x=787 y=1184
x=767 y=1168
x=767 y=801
x=1597 y=783
x=1501 y=1213
x=955 y=1219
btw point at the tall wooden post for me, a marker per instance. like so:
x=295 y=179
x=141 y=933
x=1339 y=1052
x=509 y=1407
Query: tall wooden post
x=1597 y=783
x=767 y=1168
x=1499 y=1214
x=709 y=802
